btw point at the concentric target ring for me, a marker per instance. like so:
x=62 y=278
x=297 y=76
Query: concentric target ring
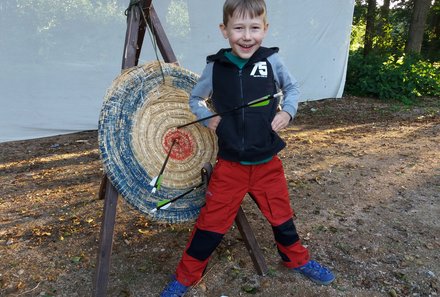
x=137 y=126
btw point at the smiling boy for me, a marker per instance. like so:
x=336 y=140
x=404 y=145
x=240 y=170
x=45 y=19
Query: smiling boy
x=248 y=144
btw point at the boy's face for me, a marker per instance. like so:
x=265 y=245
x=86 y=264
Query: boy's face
x=245 y=34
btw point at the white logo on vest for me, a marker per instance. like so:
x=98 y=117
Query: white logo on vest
x=259 y=70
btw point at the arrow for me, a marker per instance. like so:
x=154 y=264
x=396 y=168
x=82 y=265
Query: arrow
x=157 y=181
x=263 y=101
x=164 y=204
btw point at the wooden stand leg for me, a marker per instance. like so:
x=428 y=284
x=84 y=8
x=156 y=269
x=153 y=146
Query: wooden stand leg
x=251 y=242
x=106 y=241
x=102 y=187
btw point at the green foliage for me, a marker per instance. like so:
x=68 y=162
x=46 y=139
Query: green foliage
x=386 y=73
x=431 y=42
x=392 y=77
x=391 y=30
x=357 y=36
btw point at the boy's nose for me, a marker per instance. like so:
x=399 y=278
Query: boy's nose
x=247 y=35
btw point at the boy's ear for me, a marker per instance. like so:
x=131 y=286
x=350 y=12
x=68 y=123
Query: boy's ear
x=223 y=30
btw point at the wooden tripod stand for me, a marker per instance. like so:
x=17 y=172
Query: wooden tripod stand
x=141 y=14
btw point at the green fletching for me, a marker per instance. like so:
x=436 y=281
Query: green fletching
x=162 y=203
x=259 y=104
x=159 y=182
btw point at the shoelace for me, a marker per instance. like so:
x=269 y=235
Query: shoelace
x=315 y=268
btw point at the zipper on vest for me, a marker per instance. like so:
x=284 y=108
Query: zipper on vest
x=242 y=110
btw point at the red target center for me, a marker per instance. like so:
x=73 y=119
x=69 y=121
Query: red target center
x=184 y=146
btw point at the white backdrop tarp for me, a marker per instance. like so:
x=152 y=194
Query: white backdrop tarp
x=57 y=58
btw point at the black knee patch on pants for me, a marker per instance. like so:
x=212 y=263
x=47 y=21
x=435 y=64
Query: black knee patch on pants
x=203 y=244
x=283 y=256
x=285 y=234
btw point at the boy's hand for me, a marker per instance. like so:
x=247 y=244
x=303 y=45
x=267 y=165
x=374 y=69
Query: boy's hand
x=213 y=123
x=280 y=121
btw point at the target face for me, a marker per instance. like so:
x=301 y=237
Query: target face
x=137 y=127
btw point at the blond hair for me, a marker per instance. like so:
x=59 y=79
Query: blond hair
x=251 y=8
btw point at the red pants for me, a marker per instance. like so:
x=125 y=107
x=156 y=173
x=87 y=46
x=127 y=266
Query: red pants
x=229 y=183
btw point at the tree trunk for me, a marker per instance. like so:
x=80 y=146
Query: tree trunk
x=434 y=26
x=369 y=29
x=385 y=10
x=417 y=26
x=383 y=20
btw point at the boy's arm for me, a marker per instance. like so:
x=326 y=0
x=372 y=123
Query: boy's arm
x=287 y=83
x=200 y=93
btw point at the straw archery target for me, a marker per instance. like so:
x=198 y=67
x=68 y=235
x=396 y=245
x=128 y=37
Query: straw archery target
x=137 y=127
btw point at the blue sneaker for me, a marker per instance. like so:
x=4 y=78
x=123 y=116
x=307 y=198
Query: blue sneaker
x=316 y=272
x=174 y=289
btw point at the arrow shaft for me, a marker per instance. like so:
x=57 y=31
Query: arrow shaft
x=159 y=177
x=179 y=197
x=259 y=100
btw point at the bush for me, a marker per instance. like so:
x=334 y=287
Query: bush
x=403 y=78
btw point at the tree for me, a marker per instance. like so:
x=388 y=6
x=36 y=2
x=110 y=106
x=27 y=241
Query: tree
x=385 y=10
x=417 y=26
x=369 y=30
x=384 y=28
x=431 y=42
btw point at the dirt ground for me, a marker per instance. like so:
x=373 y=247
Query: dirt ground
x=364 y=178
